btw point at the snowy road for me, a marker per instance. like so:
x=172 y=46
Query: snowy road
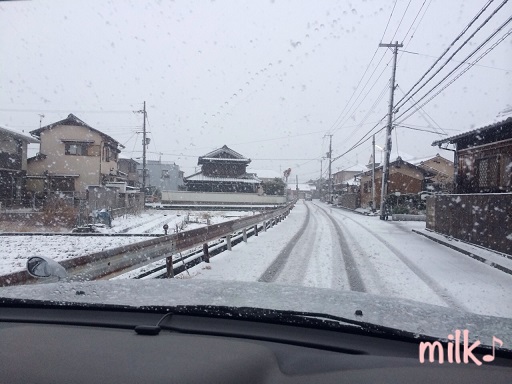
x=327 y=247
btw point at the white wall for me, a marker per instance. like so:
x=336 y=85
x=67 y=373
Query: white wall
x=175 y=197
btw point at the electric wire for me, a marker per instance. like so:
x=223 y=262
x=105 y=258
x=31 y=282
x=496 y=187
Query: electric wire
x=460 y=74
x=342 y=116
x=401 y=102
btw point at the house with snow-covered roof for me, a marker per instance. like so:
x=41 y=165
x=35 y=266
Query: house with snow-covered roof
x=223 y=170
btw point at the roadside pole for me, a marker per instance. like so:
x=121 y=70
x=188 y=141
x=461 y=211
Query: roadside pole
x=385 y=167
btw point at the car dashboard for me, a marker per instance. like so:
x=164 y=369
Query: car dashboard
x=77 y=345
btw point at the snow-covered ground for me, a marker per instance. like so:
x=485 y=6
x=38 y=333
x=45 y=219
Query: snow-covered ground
x=152 y=221
x=387 y=256
x=15 y=250
x=374 y=256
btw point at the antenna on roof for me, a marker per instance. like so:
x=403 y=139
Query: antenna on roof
x=41 y=116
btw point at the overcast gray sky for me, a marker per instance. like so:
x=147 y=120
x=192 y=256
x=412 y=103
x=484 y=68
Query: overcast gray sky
x=267 y=78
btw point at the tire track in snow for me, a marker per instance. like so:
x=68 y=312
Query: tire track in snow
x=294 y=271
x=273 y=271
x=438 y=290
x=354 y=277
x=372 y=279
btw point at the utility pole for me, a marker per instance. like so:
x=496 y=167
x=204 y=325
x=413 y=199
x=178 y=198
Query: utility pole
x=385 y=167
x=373 y=174
x=329 y=156
x=321 y=174
x=144 y=143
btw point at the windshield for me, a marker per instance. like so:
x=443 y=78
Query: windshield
x=360 y=147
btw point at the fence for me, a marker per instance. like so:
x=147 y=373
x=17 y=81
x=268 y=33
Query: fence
x=482 y=219
x=104 y=263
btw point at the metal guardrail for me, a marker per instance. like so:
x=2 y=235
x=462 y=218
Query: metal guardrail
x=98 y=265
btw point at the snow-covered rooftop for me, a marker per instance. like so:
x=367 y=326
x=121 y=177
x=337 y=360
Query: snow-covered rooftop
x=19 y=136
x=250 y=179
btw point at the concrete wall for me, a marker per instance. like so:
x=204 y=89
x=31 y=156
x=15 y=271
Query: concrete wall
x=482 y=219
x=175 y=197
x=349 y=200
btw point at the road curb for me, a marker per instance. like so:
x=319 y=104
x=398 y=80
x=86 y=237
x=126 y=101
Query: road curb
x=467 y=253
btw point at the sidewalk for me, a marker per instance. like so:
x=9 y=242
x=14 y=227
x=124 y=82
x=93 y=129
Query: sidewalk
x=497 y=260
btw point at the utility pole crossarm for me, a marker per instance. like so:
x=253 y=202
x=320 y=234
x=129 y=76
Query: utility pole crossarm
x=392 y=45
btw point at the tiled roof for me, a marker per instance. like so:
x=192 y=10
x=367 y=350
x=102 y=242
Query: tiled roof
x=19 y=136
x=486 y=128
x=72 y=120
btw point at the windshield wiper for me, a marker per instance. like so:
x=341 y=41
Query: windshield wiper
x=181 y=319
x=295 y=318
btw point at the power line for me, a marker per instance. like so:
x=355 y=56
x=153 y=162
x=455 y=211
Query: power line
x=62 y=110
x=461 y=73
x=475 y=18
x=389 y=19
x=458 y=66
x=417 y=14
x=419 y=129
x=379 y=98
x=458 y=61
x=341 y=116
x=352 y=109
x=402 y=19
x=424 y=114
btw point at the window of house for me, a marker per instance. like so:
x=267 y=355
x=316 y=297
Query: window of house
x=106 y=153
x=76 y=149
x=488 y=172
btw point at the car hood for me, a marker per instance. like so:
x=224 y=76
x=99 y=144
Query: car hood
x=402 y=314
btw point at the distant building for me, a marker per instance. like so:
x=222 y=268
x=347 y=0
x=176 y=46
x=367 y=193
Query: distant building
x=442 y=169
x=404 y=178
x=223 y=170
x=300 y=191
x=13 y=165
x=344 y=178
x=163 y=175
x=72 y=156
x=128 y=170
